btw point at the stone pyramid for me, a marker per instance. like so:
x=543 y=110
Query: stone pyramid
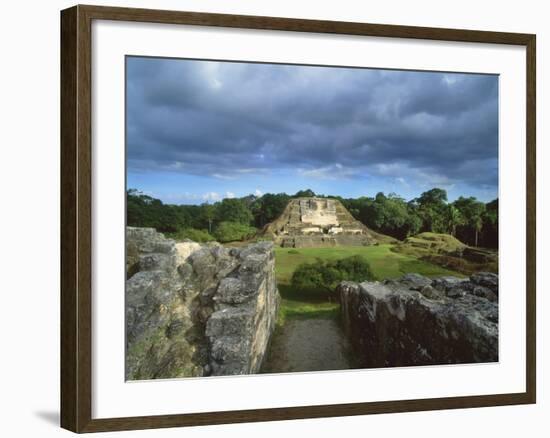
x=317 y=222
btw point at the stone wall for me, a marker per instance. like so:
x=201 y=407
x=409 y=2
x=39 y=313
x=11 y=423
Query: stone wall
x=324 y=241
x=197 y=310
x=419 y=321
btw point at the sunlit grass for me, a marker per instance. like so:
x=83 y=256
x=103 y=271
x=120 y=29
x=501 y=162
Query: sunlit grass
x=383 y=262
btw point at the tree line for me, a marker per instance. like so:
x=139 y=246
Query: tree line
x=470 y=220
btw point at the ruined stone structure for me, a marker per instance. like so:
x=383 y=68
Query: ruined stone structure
x=419 y=321
x=311 y=222
x=197 y=310
x=204 y=309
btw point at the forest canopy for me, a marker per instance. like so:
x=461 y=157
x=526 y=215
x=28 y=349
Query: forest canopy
x=468 y=219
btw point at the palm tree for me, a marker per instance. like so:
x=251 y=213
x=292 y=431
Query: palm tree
x=209 y=212
x=477 y=223
x=454 y=219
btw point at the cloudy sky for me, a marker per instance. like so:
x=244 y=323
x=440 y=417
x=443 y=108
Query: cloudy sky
x=201 y=130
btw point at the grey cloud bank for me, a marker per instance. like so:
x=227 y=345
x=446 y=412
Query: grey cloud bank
x=226 y=120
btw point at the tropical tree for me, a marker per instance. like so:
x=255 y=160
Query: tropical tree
x=233 y=231
x=454 y=219
x=434 y=196
x=472 y=211
x=477 y=224
x=208 y=214
x=431 y=208
x=233 y=210
x=390 y=214
x=414 y=221
x=308 y=193
x=268 y=207
x=490 y=225
x=145 y=211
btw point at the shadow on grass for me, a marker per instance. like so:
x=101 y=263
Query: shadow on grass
x=309 y=296
x=309 y=313
x=296 y=304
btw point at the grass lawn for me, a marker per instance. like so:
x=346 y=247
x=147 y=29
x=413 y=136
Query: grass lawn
x=384 y=264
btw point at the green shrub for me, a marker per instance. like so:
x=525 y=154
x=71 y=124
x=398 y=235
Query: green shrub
x=293 y=251
x=324 y=276
x=232 y=231
x=192 y=234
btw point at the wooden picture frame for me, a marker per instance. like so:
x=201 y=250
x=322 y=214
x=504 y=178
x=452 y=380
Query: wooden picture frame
x=76 y=217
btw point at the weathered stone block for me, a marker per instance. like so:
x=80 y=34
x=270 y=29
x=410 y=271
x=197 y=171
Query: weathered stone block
x=389 y=324
x=194 y=310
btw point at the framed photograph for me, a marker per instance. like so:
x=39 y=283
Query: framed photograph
x=269 y=218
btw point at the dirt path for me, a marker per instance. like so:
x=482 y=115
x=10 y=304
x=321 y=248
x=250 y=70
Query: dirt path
x=308 y=345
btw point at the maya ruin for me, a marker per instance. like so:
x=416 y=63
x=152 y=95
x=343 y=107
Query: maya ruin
x=313 y=222
x=198 y=310
x=288 y=218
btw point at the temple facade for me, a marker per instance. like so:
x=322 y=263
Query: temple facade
x=312 y=222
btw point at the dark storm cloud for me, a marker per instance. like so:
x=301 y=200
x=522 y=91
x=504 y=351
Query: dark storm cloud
x=226 y=119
